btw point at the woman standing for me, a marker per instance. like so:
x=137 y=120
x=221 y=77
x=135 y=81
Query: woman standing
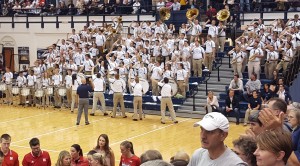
x=274 y=147
x=104 y=150
x=77 y=158
x=128 y=157
x=64 y=159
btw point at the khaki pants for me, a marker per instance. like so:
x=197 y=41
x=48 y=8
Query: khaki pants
x=208 y=61
x=197 y=67
x=155 y=88
x=98 y=96
x=216 y=40
x=74 y=99
x=237 y=69
x=254 y=67
x=282 y=65
x=221 y=43
x=167 y=101
x=118 y=98
x=57 y=98
x=100 y=51
x=137 y=104
x=31 y=96
x=22 y=98
x=181 y=88
x=69 y=96
x=269 y=69
x=247 y=114
x=8 y=93
x=45 y=99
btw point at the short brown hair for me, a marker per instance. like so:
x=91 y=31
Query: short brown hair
x=276 y=141
x=248 y=146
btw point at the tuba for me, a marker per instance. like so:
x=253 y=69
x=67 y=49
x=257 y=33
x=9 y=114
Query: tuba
x=164 y=13
x=223 y=15
x=192 y=13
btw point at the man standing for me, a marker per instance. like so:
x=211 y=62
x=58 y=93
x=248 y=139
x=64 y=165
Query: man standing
x=232 y=105
x=214 y=130
x=8 y=78
x=118 y=87
x=10 y=156
x=156 y=75
x=198 y=55
x=98 y=93
x=137 y=101
x=36 y=157
x=166 y=92
x=254 y=60
x=83 y=104
x=210 y=48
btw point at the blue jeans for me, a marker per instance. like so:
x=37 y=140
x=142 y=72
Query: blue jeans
x=236 y=113
x=244 y=2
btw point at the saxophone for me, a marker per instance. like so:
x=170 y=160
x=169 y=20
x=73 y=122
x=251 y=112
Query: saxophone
x=234 y=60
x=252 y=58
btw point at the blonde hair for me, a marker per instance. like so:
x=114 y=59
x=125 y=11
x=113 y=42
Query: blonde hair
x=98 y=157
x=61 y=157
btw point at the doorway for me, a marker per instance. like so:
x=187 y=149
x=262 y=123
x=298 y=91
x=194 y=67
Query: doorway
x=8 y=55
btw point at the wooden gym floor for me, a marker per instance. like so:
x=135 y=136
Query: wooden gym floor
x=57 y=131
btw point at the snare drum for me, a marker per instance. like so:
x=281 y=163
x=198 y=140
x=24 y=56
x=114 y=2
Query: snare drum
x=15 y=90
x=173 y=84
x=2 y=86
x=49 y=90
x=25 y=92
x=39 y=93
x=62 y=91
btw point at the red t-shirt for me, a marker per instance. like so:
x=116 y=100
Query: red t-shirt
x=132 y=161
x=81 y=162
x=11 y=159
x=42 y=160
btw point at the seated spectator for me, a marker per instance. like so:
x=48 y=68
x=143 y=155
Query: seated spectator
x=169 y=3
x=252 y=85
x=136 y=7
x=281 y=5
x=294 y=120
x=175 y=6
x=183 y=4
x=180 y=159
x=294 y=5
x=236 y=85
x=212 y=104
x=253 y=106
x=256 y=127
x=266 y=93
x=128 y=157
x=232 y=105
x=77 y=156
x=64 y=159
x=244 y=147
x=284 y=95
x=274 y=147
x=150 y=155
x=244 y=3
x=159 y=4
x=211 y=12
x=156 y=163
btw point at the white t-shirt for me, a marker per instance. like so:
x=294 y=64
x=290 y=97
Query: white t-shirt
x=99 y=84
x=166 y=89
x=137 y=89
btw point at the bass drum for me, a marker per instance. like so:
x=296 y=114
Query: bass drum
x=145 y=85
x=111 y=87
x=173 y=84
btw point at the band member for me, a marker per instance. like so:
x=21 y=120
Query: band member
x=46 y=81
x=31 y=81
x=75 y=83
x=68 y=83
x=21 y=82
x=221 y=35
x=254 y=60
x=100 y=41
x=182 y=77
x=137 y=101
x=37 y=73
x=198 y=54
x=57 y=82
x=7 y=79
x=99 y=84
x=210 y=48
x=166 y=91
x=118 y=87
x=72 y=66
x=286 y=59
x=270 y=65
x=88 y=65
x=237 y=60
x=156 y=75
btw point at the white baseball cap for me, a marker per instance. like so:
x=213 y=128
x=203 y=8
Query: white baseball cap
x=212 y=121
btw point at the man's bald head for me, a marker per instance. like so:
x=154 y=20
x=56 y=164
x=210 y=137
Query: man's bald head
x=83 y=80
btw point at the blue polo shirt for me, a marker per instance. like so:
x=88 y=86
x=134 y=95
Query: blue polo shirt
x=83 y=90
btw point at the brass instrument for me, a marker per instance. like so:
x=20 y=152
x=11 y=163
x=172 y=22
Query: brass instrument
x=164 y=13
x=223 y=15
x=192 y=13
x=252 y=58
x=120 y=19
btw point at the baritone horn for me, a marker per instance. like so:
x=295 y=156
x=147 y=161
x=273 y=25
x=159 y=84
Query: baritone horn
x=192 y=13
x=164 y=13
x=223 y=15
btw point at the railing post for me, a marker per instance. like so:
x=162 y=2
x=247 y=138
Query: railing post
x=57 y=23
x=42 y=22
x=12 y=21
x=27 y=23
x=72 y=22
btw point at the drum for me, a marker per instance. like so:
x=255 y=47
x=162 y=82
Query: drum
x=145 y=85
x=173 y=84
x=49 y=90
x=39 y=93
x=15 y=90
x=25 y=91
x=123 y=86
x=62 y=91
x=2 y=86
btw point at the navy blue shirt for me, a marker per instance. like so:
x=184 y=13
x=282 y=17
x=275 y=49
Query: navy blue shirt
x=254 y=102
x=83 y=90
